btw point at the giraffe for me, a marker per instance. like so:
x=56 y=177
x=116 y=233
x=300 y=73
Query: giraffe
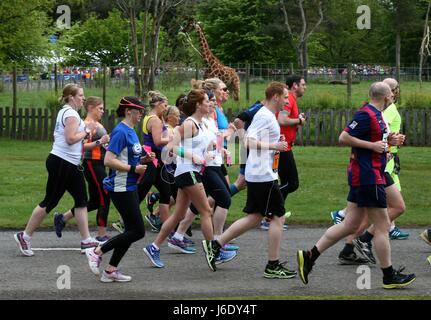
x=215 y=69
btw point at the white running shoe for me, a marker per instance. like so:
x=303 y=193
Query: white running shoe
x=23 y=245
x=114 y=276
x=94 y=260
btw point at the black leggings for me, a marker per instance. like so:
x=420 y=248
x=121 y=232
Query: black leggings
x=289 y=181
x=94 y=172
x=63 y=176
x=216 y=186
x=158 y=177
x=127 y=204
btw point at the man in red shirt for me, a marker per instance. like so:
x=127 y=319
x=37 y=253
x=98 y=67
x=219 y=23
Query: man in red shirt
x=289 y=181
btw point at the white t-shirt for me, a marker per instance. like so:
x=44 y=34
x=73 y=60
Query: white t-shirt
x=71 y=153
x=265 y=128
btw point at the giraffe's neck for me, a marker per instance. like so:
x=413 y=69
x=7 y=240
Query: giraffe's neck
x=207 y=54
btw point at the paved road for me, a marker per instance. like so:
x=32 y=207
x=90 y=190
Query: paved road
x=188 y=276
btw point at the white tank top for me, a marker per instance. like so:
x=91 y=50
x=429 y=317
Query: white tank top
x=71 y=153
x=197 y=145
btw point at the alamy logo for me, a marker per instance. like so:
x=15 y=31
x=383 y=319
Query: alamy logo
x=63 y=21
x=364 y=20
x=63 y=281
x=364 y=280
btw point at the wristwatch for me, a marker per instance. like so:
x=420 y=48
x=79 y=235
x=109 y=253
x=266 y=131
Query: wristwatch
x=97 y=142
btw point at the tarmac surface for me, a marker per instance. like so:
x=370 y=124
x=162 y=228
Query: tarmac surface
x=187 y=276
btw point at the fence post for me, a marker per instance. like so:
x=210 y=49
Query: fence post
x=429 y=128
x=55 y=80
x=1 y=122
x=247 y=83
x=424 y=128
x=33 y=124
x=349 y=84
x=13 y=129
x=332 y=134
x=14 y=93
x=317 y=128
x=307 y=127
x=7 y=119
x=104 y=85
x=26 y=124
x=39 y=124
x=20 y=129
x=45 y=125
x=406 y=125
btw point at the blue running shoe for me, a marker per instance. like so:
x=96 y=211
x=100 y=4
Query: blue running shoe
x=154 y=221
x=59 y=224
x=230 y=247
x=154 y=255
x=397 y=234
x=225 y=256
x=151 y=200
x=189 y=242
x=264 y=225
x=103 y=239
x=180 y=246
x=336 y=217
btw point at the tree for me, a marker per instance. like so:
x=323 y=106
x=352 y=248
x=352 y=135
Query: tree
x=404 y=17
x=98 y=41
x=234 y=29
x=24 y=30
x=146 y=58
x=299 y=37
x=425 y=46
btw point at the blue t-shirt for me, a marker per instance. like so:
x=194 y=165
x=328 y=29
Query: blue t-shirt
x=366 y=166
x=125 y=144
x=247 y=115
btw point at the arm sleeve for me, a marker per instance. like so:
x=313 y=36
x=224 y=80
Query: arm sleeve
x=360 y=125
x=118 y=142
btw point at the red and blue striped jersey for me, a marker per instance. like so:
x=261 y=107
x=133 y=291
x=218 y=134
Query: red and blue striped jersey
x=366 y=166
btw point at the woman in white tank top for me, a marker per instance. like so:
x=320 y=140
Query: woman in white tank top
x=191 y=142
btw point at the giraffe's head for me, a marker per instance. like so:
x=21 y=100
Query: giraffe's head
x=190 y=25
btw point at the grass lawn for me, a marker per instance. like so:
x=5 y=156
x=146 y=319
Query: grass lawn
x=317 y=96
x=322 y=174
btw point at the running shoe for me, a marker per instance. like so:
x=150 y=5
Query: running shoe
x=23 y=245
x=336 y=217
x=180 y=246
x=114 y=276
x=278 y=271
x=94 y=260
x=154 y=255
x=59 y=224
x=397 y=234
x=119 y=226
x=398 y=280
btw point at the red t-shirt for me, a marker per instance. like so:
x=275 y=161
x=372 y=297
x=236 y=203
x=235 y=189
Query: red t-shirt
x=290 y=131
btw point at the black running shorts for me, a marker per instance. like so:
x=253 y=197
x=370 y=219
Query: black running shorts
x=264 y=198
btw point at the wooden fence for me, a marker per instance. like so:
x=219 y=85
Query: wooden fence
x=322 y=127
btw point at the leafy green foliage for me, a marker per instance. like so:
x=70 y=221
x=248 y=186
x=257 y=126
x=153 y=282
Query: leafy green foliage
x=98 y=41
x=24 y=30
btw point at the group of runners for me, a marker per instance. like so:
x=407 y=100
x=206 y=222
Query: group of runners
x=184 y=155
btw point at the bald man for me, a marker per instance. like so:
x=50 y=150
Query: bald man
x=368 y=137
